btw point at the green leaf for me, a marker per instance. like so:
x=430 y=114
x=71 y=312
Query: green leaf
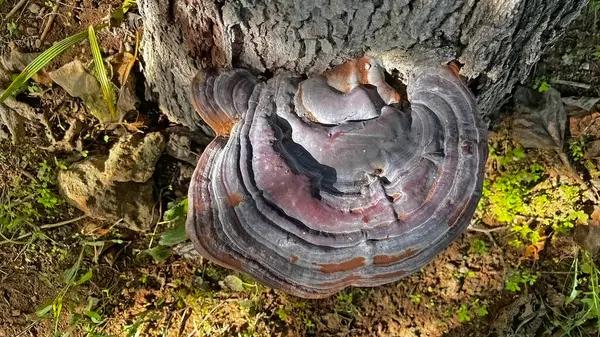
x=159 y=253
x=94 y=316
x=85 y=277
x=282 y=314
x=128 y=5
x=71 y=272
x=105 y=84
x=176 y=211
x=544 y=86
x=174 y=235
x=132 y=330
x=57 y=307
x=43 y=311
x=41 y=61
x=481 y=311
x=574 y=291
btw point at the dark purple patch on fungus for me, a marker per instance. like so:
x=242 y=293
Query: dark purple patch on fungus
x=318 y=184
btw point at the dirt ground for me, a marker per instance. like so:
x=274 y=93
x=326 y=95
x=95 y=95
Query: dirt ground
x=490 y=282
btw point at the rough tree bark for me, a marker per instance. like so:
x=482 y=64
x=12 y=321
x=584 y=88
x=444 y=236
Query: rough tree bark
x=498 y=41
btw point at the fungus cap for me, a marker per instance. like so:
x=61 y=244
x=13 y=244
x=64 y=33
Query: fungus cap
x=313 y=185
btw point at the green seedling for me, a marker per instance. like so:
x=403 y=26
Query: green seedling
x=516 y=279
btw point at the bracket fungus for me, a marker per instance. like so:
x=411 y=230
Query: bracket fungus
x=312 y=185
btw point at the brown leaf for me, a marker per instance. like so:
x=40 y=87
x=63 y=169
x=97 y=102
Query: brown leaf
x=541 y=119
x=532 y=252
x=74 y=78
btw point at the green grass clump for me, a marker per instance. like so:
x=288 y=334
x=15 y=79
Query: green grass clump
x=582 y=306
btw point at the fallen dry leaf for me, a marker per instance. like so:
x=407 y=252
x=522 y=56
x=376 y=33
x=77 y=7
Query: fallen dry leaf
x=74 y=78
x=532 y=252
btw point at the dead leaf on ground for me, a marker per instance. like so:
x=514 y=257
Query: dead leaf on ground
x=128 y=100
x=541 y=119
x=588 y=124
x=13 y=115
x=532 y=252
x=15 y=61
x=595 y=217
x=74 y=78
x=583 y=103
x=122 y=64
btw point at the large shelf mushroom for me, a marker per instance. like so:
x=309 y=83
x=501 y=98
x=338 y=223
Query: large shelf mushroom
x=312 y=185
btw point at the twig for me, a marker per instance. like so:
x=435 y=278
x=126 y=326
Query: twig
x=16 y=8
x=30 y=176
x=572 y=84
x=487 y=230
x=66 y=222
x=49 y=23
x=27 y=328
x=186 y=315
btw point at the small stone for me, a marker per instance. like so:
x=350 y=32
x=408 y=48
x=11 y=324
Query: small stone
x=134 y=157
x=131 y=204
x=34 y=8
x=31 y=31
x=116 y=187
x=585 y=66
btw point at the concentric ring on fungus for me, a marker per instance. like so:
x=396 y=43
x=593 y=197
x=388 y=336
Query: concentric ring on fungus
x=314 y=185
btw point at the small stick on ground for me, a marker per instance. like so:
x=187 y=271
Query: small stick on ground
x=49 y=23
x=487 y=230
x=572 y=84
x=16 y=8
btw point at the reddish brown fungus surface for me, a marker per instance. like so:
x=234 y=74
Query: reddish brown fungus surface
x=276 y=193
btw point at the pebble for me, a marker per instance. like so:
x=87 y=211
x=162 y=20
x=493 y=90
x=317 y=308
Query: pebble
x=34 y=8
x=31 y=31
x=585 y=66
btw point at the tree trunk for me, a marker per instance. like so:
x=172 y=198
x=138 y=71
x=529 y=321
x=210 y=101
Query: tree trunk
x=498 y=41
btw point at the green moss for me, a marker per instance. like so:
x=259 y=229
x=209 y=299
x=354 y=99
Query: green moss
x=524 y=197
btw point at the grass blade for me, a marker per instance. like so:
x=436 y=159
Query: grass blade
x=105 y=84
x=40 y=62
